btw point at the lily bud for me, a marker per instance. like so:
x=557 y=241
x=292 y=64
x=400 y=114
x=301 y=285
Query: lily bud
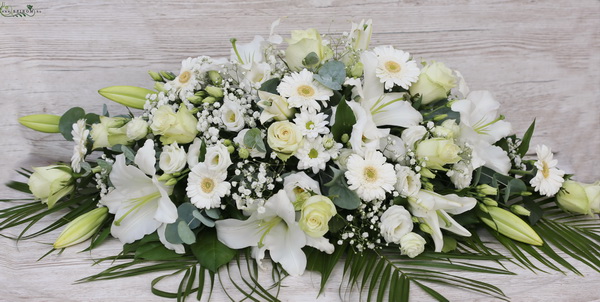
x=209 y=100
x=165 y=177
x=511 y=226
x=171 y=182
x=168 y=75
x=487 y=190
x=195 y=99
x=215 y=78
x=82 y=228
x=158 y=86
x=130 y=96
x=490 y=202
x=156 y=76
x=47 y=123
x=520 y=210
x=215 y=92
x=425 y=228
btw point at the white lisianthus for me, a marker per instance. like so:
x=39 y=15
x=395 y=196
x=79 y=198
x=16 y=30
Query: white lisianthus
x=303 y=91
x=461 y=174
x=396 y=222
x=548 y=179
x=239 y=139
x=274 y=107
x=298 y=187
x=371 y=177
x=80 y=136
x=360 y=35
x=232 y=116
x=302 y=43
x=448 y=129
x=393 y=148
x=412 y=135
x=435 y=82
x=312 y=155
x=315 y=215
x=412 y=245
x=342 y=159
x=311 y=124
x=217 y=157
x=407 y=181
x=438 y=152
x=206 y=186
x=394 y=67
x=137 y=128
x=51 y=183
x=173 y=127
x=108 y=132
x=172 y=159
x=284 y=138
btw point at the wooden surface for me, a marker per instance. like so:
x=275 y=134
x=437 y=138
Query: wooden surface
x=539 y=58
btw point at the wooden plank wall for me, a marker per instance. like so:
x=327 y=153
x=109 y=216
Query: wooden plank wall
x=539 y=58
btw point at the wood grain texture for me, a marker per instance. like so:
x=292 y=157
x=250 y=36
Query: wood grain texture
x=539 y=58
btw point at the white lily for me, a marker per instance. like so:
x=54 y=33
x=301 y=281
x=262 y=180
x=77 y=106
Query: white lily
x=433 y=209
x=376 y=108
x=139 y=201
x=480 y=126
x=273 y=229
x=251 y=59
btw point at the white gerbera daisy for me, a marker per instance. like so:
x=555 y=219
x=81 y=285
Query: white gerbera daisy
x=312 y=154
x=548 y=179
x=80 y=135
x=186 y=81
x=311 y=124
x=371 y=177
x=302 y=91
x=394 y=67
x=207 y=186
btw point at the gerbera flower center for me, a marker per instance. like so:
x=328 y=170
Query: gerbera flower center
x=306 y=91
x=207 y=185
x=185 y=76
x=392 y=66
x=370 y=174
x=545 y=170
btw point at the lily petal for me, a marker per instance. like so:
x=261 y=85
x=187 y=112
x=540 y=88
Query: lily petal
x=321 y=243
x=145 y=158
x=135 y=225
x=167 y=211
x=285 y=246
x=452 y=225
x=392 y=110
x=238 y=234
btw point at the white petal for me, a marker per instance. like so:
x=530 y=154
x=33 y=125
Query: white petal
x=496 y=159
x=146 y=158
x=372 y=88
x=178 y=248
x=454 y=227
x=167 y=211
x=114 y=200
x=322 y=244
x=238 y=234
x=135 y=225
x=285 y=246
x=392 y=110
x=280 y=205
x=129 y=179
x=452 y=203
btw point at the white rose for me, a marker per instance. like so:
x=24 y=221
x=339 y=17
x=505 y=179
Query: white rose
x=438 y=151
x=173 y=127
x=435 y=81
x=393 y=148
x=239 y=139
x=232 y=116
x=315 y=215
x=109 y=132
x=172 y=159
x=217 y=157
x=51 y=183
x=194 y=152
x=413 y=134
x=407 y=183
x=412 y=245
x=284 y=138
x=579 y=197
x=274 y=107
x=396 y=222
x=301 y=44
x=137 y=129
x=297 y=187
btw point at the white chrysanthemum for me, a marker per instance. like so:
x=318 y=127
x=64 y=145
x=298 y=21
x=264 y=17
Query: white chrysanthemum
x=395 y=67
x=302 y=91
x=80 y=135
x=206 y=186
x=548 y=179
x=331 y=146
x=371 y=177
x=311 y=124
x=186 y=81
x=312 y=155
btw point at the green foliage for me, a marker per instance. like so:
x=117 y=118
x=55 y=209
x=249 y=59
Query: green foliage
x=270 y=85
x=65 y=125
x=253 y=139
x=332 y=74
x=311 y=59
x=344 y=120
x=210 y=252
x=340 y=194
x=524 y=146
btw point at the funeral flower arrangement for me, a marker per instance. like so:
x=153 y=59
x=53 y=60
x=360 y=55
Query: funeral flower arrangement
x=322 y=151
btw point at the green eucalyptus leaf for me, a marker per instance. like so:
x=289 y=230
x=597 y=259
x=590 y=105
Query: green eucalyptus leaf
x=253 y=139
x=185 y=233
x=185 y=212
x=213 y=213
x=172 y=233
x=210 y=252
x=311 y=59
x=343 y=197
x=206 y=221
x=65 y=125
x=332 y=75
